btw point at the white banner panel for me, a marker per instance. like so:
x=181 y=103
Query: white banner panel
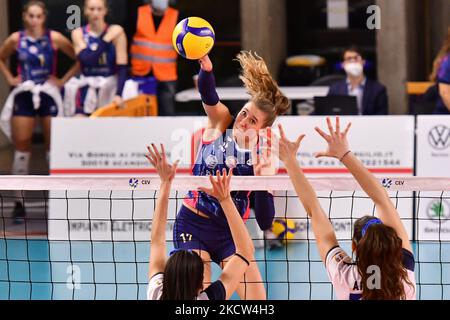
x=117 y=146
x=433 y=160
x=433 y=146
x=385 y=144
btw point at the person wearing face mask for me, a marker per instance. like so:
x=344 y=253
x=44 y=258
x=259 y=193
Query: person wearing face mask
x=371 y=96
x=152 y=52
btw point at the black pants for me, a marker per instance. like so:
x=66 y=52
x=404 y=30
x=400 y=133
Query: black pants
x=166 y=98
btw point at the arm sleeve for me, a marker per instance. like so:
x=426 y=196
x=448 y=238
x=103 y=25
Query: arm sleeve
x=264 y=209
x=339 y=269
x=216 y=291
x=89 y=57
x=122 y=74
x=207 y=88
x=408 y=260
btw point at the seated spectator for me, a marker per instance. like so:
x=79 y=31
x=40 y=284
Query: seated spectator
x=371 y=95
x=441 y=76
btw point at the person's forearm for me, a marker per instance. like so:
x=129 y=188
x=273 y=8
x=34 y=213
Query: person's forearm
x=239 y=232
x=303 y=188
x=365 y=178
x=321 y=225
x=5 y=70
x=160 y=216
x=122 y=74
x=207 y=88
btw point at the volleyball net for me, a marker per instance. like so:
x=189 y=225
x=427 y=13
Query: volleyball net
x=89 y=237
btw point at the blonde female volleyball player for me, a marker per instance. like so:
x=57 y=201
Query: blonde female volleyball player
x=381 y=244
x=102 y=52
x=181 y=276
x=37 y=91
x=227 y=143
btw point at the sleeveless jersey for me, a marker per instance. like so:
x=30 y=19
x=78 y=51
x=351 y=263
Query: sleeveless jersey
x=106 y=64
x=217 y=155
x=36 y=58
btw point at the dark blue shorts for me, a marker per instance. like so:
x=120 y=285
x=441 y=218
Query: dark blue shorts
x=23 y=106
x=192 y=232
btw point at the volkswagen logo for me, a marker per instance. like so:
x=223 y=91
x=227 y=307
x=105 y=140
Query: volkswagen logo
x=439 y=137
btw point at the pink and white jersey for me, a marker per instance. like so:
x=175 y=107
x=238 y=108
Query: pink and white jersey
x=344 y=276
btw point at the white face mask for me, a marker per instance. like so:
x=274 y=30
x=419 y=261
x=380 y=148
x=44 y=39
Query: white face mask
x=160 y=5
x=354 y=69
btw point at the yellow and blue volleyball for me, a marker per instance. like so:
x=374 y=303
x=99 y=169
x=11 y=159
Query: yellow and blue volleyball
x=193 y=38
x=284 y=229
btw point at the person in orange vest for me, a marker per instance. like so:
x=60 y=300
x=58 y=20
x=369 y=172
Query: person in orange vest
x=152 y=53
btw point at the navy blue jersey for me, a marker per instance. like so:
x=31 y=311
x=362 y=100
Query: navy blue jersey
x=217 y=155
x=36 y=58
x=106 y=64
x=443 y=77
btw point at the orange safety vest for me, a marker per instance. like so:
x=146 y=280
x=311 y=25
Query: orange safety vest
x=153 y=50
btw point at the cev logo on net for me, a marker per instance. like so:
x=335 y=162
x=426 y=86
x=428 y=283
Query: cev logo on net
x=133 y=182
x=387 y=183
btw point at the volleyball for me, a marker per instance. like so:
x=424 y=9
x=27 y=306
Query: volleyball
x=193 y=38
x=284 y=229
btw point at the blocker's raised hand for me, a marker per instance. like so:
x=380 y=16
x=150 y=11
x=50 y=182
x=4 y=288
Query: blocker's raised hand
x=337 y=140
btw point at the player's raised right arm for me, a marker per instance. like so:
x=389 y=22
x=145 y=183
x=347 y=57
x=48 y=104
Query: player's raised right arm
x=338 y=148
x=218 y=114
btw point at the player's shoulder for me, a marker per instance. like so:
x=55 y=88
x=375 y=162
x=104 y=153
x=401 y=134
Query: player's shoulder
x=13 y=38
x=155 y=286
x=337 y=256
x=116 y=28
x=157 y=277
x=55 y=34
x=343 y=273
x=77 y=31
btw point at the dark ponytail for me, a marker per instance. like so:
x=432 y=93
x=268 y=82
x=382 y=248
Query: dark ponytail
x=183 y=276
